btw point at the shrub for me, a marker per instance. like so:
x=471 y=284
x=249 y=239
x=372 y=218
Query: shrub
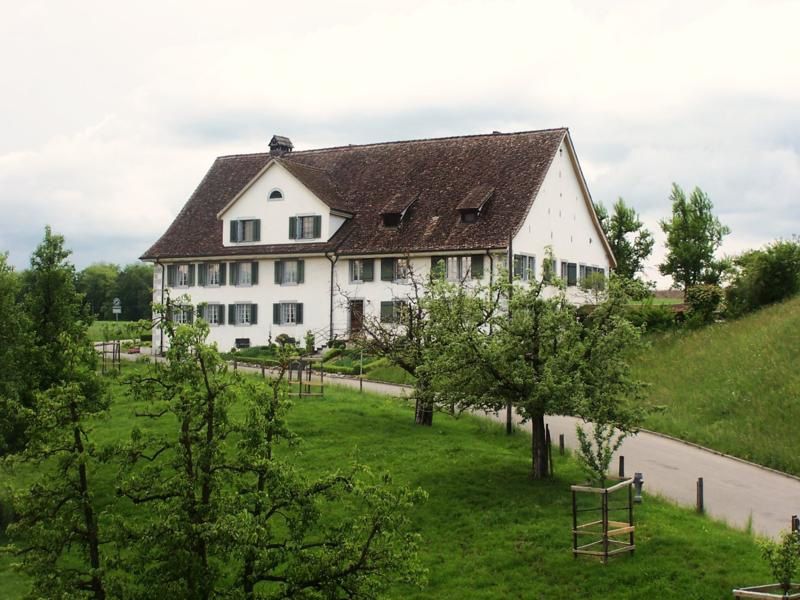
x=783 y=558
x=764 y=277
x=285 y=340
x=654 y=317
x=703 y=301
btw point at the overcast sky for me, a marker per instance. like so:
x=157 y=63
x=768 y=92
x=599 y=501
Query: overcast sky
x=111 y=113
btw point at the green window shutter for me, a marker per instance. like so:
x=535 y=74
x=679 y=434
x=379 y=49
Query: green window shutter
x=367 y=269
x=254 y=273
x=232 y=314
x=572 y=274
x=278 y=272
x=299 y=313
x=172 y=275
x=254 y=314
x=190 y=311
x=257 y=230
x=191 y=274
x=221 y=314
x=201 y=312
x=223 y=267
x=476 y=266
x=387 y=269
x=301 y=271
x=317 y=226
x=519 y=266
x=234 y=273
x=292 y=228
x=202 y=272
x=583 y=271
x=387 y=311
x=532 y=266
x=234 y=231
x=276 y=314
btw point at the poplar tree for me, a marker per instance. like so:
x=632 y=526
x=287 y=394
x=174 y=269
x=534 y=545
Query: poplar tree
x=693 y=236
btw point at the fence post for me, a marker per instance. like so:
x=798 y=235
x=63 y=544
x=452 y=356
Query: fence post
x=621 y=466
x=700 y=505
x=263 y=371
x=561 y=444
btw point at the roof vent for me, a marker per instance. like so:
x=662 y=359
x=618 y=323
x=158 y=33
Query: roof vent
x=280 y=145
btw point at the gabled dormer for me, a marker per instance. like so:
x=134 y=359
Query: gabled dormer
x=285 y=203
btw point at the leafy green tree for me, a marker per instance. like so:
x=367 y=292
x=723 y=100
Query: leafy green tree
x=764 y=276
x=211 y=503
x=134 y=288
x=98 y=283
x=54 y=307
x=630 y=241
x=516 y=343
x=57 y=534
x=693 y=236
x=15 y=389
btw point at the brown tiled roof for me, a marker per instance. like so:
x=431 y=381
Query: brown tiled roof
x=441 y=174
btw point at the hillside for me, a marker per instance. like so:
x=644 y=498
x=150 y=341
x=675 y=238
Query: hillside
x=734 y=387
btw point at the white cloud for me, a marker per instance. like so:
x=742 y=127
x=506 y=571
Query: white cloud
x=114 y=114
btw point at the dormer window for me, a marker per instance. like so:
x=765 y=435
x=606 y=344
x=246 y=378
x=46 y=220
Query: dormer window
x=469 y=216
x=392 y=219
x=397 y=208
x=474 y=202
x=276 y=194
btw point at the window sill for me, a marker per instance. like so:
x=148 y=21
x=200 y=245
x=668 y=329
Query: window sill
x=288 y=324
x=244 y=285
x=289 y=284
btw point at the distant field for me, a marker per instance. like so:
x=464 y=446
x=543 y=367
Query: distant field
x=116 y=330
x=734 y=387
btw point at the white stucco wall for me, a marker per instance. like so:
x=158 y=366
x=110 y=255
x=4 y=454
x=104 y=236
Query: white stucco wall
x=274 y=214
x=561 y=219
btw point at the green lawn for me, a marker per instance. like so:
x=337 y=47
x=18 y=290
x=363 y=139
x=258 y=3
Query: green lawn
x=110 y=330
x=734 y=387
x=488 y=530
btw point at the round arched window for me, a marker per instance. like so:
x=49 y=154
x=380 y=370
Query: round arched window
x=276 y=194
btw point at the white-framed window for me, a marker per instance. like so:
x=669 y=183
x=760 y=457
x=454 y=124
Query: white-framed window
x=213 y=314
x=244 y=314
x=305 y=227
x=245 y=230
x=525 y=267
x=244 y=273
x=362 y=269
x=394 y=269
x=287 y=313
x=182 y=276
x=275 y=194
x=458 y=268
x=289 y=272
x=183 y=315
x=212 y=274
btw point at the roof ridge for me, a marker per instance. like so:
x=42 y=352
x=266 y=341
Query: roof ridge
x=410 y=141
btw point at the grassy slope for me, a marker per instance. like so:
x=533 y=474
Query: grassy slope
x=488 y=531
x=734 y=387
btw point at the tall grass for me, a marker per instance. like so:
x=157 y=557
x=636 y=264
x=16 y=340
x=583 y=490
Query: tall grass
x=734 y=386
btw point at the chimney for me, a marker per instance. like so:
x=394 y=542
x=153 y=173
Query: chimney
x=280 y=145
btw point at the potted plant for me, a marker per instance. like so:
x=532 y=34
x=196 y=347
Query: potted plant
x=783 y=558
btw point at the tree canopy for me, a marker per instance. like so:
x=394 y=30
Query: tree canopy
x=630 y=241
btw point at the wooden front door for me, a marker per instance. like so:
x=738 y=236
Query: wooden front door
x=356 y=316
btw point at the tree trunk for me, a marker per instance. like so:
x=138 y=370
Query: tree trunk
x=509 y=419
x=539 y=454
x=423 y=413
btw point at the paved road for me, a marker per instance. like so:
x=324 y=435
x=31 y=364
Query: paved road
x=735 y=491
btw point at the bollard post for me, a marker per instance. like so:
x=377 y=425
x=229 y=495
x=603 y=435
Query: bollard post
x=561 y=444
x=621 y=467
x=263 y=371
x=795 y=524
x=700 y=505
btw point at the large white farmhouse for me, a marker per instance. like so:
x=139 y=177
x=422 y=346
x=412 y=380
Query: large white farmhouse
x=311 y=241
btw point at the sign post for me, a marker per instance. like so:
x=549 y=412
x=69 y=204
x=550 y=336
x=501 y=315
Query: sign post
x=116 y=308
